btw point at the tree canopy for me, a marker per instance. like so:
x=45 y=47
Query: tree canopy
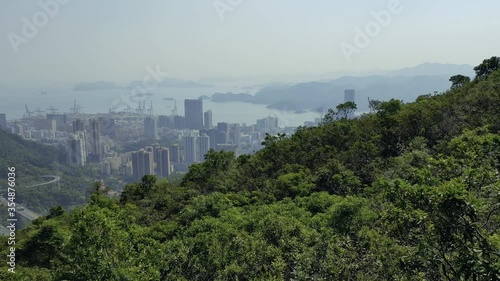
x=410 y=191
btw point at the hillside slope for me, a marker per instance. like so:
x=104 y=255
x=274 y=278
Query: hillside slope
x=33 y=160
x=408 y=192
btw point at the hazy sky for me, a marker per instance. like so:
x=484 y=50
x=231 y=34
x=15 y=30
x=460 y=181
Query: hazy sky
x=115 y=40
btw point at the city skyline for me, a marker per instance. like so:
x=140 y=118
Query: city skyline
x=99 y=139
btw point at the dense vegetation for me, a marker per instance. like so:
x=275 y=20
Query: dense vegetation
x=33 y=160
x=407 y=192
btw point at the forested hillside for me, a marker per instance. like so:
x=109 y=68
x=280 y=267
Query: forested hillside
x=33 y=160
x=407 y=192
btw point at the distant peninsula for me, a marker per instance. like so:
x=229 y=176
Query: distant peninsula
x=231 y=97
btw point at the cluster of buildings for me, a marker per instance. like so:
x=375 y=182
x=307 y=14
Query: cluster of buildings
x=102 y=139
x=83 y=147
x=170 y=142
x=152 y=160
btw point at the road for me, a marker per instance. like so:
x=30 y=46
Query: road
x=25 y=212
x=54 y=180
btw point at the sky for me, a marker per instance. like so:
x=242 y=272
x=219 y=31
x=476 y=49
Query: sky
x=116 y=40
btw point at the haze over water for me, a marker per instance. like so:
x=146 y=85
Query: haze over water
x=102 y=100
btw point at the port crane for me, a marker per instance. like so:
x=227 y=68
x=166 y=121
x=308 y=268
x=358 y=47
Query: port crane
x=150 y=110
x=113 y=109
x=174 y=108
x=27 y=112
x=39 y=112
x=52 y=110
x=76 y=108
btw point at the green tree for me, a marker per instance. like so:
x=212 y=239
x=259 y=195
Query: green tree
x=487 y=67
x=55 y=212
x=458 y=81
x=374 y=105
x=44 y=248
x=138 y=191
x=345 y=109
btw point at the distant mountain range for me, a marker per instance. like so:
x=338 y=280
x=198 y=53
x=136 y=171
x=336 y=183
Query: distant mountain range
x=429 y=68
x=405 y=84
x=231 y=97
x=95 y=86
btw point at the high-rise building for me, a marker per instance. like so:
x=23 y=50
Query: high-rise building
x=3 y=121
x=204 y=144
x=235 y=134
x=150 y=128
x=142 y=163
x=268 y=124
x=273 y=122
x=221 y=139
x=18 y=129
x=138 y=164
x=208 y=120
x=165 y=121
x=107 y=127
x=83 y=137
x=179 y=122
x=222 y=136
x=175 y=154
x=162 y=161
x=349 y=95
x=149 y=161
x=78 y=126
x=157 y=155
x=95 y=141
x=223 y=127
x=76 y=149
x=189 y=149
x=212 y=135
x=193 y=112
x=262 y=125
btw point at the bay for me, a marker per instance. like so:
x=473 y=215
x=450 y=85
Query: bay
x=100 y=101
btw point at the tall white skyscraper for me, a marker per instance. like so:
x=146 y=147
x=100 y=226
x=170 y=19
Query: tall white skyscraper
x=162 y=161
x=77 y=154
